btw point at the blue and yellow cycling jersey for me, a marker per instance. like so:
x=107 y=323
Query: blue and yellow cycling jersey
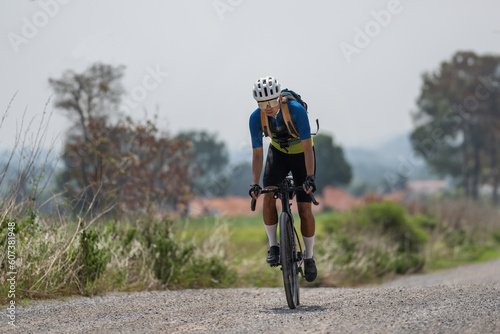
x=299 y=118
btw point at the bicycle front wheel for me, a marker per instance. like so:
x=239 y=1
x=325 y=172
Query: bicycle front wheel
x=288 y=256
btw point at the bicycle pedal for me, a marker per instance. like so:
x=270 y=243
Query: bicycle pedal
x=272 y=265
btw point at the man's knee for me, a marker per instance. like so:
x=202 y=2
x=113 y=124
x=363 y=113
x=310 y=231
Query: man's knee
x=270 y=212
x=305 y=211
x=269 y=200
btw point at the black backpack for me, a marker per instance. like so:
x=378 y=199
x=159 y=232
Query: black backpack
x=286 y=96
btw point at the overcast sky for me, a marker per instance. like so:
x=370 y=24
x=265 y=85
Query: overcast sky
x=358 y=64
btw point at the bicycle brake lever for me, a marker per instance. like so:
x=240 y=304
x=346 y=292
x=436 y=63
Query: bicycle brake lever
x=315 y=202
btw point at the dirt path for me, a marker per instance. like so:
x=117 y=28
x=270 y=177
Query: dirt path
x=463 y=300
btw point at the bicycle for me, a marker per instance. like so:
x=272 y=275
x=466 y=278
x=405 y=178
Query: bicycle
x=291 y=254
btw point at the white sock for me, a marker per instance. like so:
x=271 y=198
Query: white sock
x=309 y=243
x=271 y=234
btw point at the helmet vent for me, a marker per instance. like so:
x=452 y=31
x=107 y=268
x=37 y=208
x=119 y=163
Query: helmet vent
x=266 y=88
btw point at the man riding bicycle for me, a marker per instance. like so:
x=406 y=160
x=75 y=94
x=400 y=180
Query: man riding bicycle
x=286 y=153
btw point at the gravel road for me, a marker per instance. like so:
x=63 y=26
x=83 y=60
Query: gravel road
x=463 y=300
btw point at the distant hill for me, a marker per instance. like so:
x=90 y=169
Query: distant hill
x=371 y=167
x=375 y=168
x=12 y=165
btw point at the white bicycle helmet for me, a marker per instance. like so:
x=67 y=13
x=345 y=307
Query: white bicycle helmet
x=266 y=88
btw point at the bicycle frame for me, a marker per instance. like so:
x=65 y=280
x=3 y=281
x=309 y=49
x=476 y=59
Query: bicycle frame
x=284 y=189
x=291 y=258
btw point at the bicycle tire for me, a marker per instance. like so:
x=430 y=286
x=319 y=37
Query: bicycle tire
x=288 y=256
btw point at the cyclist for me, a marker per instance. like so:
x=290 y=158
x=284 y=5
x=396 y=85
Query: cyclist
x=285 y=154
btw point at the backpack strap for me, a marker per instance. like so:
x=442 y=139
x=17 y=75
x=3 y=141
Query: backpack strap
x=286 y=117
x=264 y=121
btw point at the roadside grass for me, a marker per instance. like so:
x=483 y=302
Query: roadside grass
x=246 y=246
x=368 y=245
x=460 y=232
x=63 y=256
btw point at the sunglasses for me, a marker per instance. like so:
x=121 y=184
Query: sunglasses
x=271 y=103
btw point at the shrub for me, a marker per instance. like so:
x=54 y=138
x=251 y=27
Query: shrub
x=374 y=241
x=92 y=260
x=149 y=254
x=396 y=223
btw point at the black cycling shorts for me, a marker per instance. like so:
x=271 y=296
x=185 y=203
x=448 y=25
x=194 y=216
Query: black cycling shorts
x=279 y=164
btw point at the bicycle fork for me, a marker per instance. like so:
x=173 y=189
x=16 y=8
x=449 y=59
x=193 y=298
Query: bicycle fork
x=297 y=256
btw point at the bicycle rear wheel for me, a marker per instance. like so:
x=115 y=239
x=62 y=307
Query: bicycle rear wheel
x=288 y=257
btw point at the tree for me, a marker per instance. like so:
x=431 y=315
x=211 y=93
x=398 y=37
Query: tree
x=90 y=96
x=136 y=168
x=209 y=159
x=458 y=119
x=129 y=165
x=331 y=165
x=241 y=179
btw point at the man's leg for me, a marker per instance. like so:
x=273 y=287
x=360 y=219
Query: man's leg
x=307 y=221
x=271 y=223
x=307 y=227
x=270 y=218
x=274 y=172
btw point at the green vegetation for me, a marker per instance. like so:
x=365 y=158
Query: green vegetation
x=456 y=122
x=367 y=245
x=137 y=255
x=373 y=242
x=66 y=254
x=328 y=154
x=120 y=176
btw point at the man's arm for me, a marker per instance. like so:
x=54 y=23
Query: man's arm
x=257 y=160
x=309 y=157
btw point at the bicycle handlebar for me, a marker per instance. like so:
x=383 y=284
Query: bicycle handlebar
x=282 y=190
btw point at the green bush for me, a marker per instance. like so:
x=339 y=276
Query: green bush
x=426 y=221
x=172 y=261
x=64 y=258
x=397 y=224
x=408 y=262
x=496 y=237
x=204 y=272
x=374 y=241
x=92 y=260
x=178 y=265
